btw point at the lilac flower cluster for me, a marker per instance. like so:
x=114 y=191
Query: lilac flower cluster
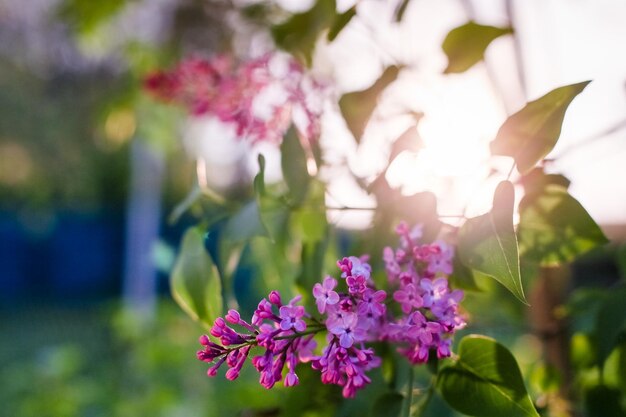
x=284 y=337
x=430 y=309
x=352 y=318
x=260 y=97
x=427 y=315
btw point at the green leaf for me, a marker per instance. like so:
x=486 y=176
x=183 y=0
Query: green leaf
x=300 y=32
x=294 y=165
x=246 y=223
x=531 y=133
x=87 y=15
x=401 y=10
x=357 y=107
x=485 y=381
x=488 y=244
x=340 y=22
x=555 y=228
x=610 y=323
x=620 y=256
x=388 y=405
x=462 y=277
x=195 y=281
x=465 y=46
x=272 y=212
x=603 y=401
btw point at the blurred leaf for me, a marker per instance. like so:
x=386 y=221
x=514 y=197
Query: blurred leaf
x=409 y=141
x=488 y=243
x=308 y=223
x=602 y=401
x=465 y=45
x=86 y=15
x=582 y=350
x=300 y=32
x=259 y=178
x=554 y=227
x=273 y=214
x=195 y=281
x=531 y=133
x=462 y=277
x=536 y=180
x=401 y=10
x=388 y=405
x=246 y=223
x=357 y=107
x=621 y=260
x=294 y=165
x=610 y=323
x=485 y=381
x=340 y=22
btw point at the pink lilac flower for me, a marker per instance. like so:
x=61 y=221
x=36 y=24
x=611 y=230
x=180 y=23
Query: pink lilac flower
x=324 y=294
x=431 y=309
x=261 y=97
x=347 y=330
x=292 y=318
x=408 y=298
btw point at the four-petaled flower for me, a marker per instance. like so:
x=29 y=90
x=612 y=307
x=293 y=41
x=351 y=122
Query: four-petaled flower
x=292 y=318
x=324 y=294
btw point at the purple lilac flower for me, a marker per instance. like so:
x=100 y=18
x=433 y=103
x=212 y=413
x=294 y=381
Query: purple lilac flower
x=324 y=294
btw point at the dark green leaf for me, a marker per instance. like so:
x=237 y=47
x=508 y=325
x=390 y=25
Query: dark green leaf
x=299 y=33
x=602 y=401
x=465 y=46
x=357 y=107
x=388 y=405
x=531 y=133
x=195 y=281
x=488 y=244
x=485 y=381
x=610 y=323
x=554 y=227
x=259 y=179
x=340 y=22
x=621 y=260
x=462 y=277
x=294 y=166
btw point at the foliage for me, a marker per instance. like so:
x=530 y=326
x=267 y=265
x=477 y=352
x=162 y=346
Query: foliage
x=277 y=236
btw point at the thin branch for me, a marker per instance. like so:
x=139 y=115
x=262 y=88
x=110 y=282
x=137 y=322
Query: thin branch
x=590 y=139
x=517 y=46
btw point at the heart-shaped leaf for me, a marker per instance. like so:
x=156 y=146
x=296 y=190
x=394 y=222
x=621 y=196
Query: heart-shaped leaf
x=554 y=227
x=488 y=244
x=357 y=107
x=195 y=281
x=531 y=133
x=465 y=46
x=485 y=381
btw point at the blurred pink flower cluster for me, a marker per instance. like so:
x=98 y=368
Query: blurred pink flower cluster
x=261 y=97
